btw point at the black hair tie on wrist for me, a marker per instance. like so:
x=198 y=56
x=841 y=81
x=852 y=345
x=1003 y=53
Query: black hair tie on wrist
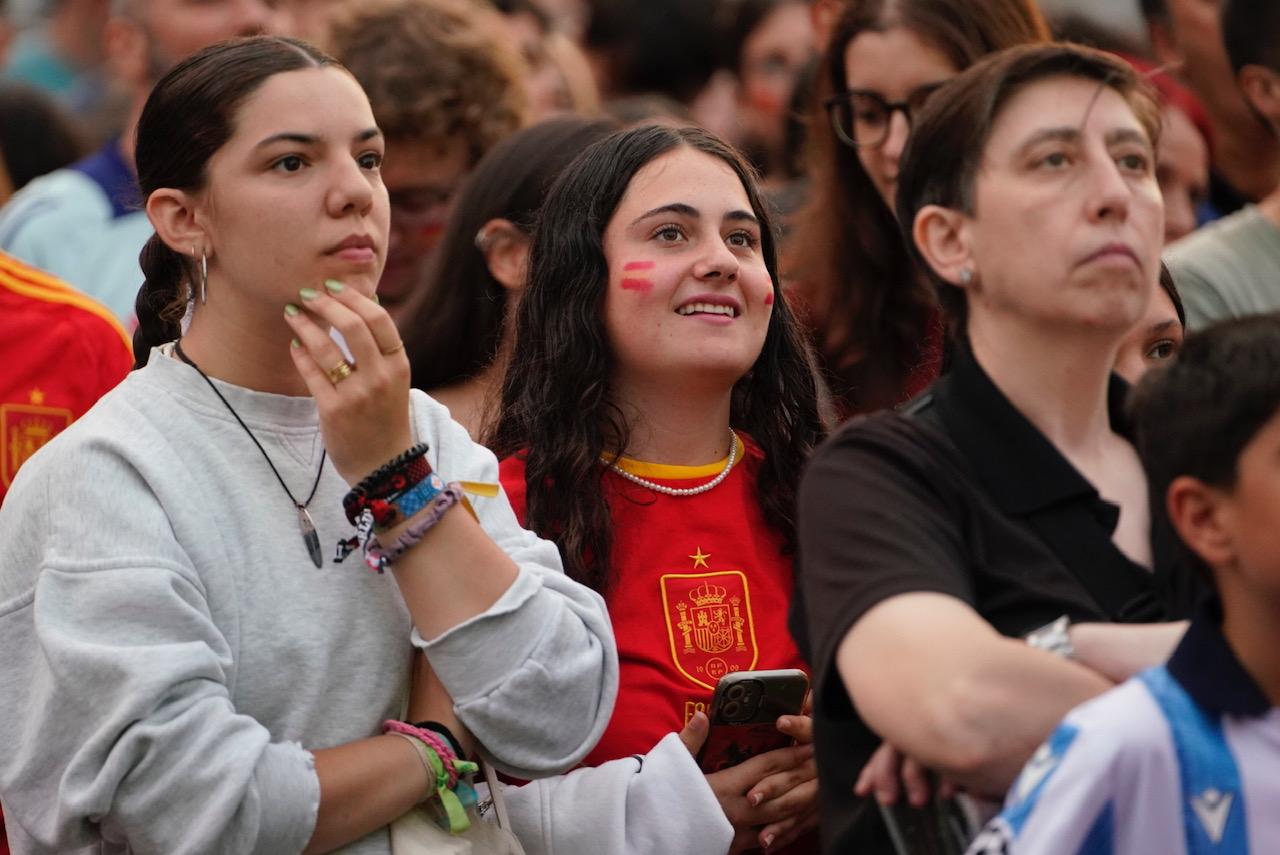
x=438 y=728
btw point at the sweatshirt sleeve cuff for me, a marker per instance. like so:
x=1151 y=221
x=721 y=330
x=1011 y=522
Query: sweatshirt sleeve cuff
x=286 y=778
x=514 y=624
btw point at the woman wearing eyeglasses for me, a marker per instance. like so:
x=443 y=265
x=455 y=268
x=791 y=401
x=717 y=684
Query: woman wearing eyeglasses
x=877 y=330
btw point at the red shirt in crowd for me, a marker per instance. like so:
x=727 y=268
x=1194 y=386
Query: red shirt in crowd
x=699 y=589
x=59 y=352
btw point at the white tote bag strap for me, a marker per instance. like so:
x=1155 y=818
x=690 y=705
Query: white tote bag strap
x=495 y=793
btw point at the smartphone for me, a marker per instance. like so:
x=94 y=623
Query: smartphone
x=744 y=715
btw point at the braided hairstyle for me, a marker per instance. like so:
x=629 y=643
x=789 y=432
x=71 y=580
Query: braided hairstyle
x=189 y=115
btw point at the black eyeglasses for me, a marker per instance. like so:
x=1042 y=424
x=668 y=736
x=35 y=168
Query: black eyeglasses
x=861 y=118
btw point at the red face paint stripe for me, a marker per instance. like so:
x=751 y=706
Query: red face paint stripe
x=638 y=265
x=768 y=299
x=637 y=284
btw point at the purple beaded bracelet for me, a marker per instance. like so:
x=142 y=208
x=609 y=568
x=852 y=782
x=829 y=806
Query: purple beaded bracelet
x=379 y=557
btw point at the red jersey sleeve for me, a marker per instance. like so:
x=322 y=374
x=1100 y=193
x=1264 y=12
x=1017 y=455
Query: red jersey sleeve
x=511 y=474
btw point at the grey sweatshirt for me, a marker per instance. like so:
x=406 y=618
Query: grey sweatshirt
x=171 y=654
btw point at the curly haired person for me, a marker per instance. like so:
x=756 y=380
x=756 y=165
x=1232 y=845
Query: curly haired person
x=445 y=87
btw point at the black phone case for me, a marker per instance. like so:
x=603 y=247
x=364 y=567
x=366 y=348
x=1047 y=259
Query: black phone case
x=744 y=715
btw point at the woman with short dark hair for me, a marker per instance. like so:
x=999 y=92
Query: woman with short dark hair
x=1008 y=501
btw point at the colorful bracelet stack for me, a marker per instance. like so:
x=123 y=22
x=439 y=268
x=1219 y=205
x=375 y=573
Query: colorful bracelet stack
x=378 y=557
x=393 y=492
x=402 y=489
x=445 y=769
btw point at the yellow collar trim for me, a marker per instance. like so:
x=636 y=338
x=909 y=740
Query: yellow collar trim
x=667 y=472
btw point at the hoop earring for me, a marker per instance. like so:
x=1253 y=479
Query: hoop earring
x=204 y=273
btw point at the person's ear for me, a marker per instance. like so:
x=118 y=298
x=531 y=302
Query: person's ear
x=6 y=38
x=506 y=252
x=6 y=183
x=1164 y=47
x=1201 y=514
x=942 y=238
x=174 y=215
x=1261 y=88
x=125 y=49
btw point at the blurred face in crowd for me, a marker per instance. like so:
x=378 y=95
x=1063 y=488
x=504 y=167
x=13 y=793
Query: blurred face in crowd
x=1155 y=339
x=1182 y=168
x=306 y=19
x=689 y=296
x=773 y=57
x=1068 y=222
x=154 y=35
x=422 y=178
x=891 y=67
x=1191 y=30
x=295 y=196
x=544 y=83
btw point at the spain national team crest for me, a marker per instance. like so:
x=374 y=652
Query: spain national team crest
x=709 y=624
x=23 y=430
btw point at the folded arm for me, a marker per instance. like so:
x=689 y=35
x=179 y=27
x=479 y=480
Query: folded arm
x=934 y=679
x=533 y=674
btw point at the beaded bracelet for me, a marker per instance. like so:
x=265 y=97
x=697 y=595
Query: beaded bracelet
x=378 y=557
x=379 y=490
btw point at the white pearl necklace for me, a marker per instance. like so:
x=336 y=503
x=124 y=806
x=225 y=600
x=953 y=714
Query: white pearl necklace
x=685 y=491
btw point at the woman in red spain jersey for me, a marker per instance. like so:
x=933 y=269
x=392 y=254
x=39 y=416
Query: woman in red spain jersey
x=659 y=407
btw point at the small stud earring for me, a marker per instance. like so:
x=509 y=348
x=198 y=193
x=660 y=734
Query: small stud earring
x=966 y=275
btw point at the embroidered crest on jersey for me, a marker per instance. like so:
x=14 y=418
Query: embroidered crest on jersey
x=24 y=428
x=1212 y=807
x=709 y=624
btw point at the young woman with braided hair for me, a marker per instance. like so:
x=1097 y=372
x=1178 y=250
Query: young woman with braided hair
x=188 y=668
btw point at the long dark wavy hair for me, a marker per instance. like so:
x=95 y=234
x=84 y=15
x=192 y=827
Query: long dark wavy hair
x=557 y=405
x=456 y=330
x=860 y=292
x=189 y=115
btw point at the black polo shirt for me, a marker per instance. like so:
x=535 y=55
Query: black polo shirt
x=958 y=494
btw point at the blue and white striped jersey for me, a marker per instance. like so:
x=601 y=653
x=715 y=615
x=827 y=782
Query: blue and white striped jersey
x=1181 y=760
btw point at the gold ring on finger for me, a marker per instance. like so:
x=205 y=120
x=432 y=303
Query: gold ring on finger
x=399 y=346
x=340 y=372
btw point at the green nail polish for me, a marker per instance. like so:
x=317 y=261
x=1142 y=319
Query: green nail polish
x=308 y=293
x=291 y=310
x=333 y=285
x=294 y=343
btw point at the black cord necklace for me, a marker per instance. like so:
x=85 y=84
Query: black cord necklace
x=305 y=523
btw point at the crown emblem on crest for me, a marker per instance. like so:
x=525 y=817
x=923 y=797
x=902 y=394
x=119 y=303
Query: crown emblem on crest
x=707 y=594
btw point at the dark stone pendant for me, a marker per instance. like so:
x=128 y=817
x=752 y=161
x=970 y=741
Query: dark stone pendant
x=309 y=536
